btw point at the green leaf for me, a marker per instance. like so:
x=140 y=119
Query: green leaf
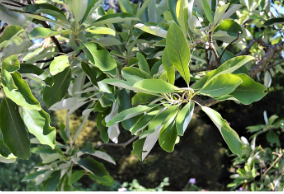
x=91 y=72
x=78 y=9
x=129 y=113
x=143 y=64
x=11 y=64
x=269 y=22
x=38 y=123
x=155 y=86
x=120 y=84
x=178 y=51
x=101 y=125
x=230 y=27
x=133 y=75
x=125 y=6
x=105 y=180
x=231 y=65
x=138 y=148
x=184 y=117
x=93 y=5
x=115 y=18
x=142 y=98
x=55 y=93
x=272 y=138
x=13 y=129
x=43 y=150
x=207 y=10
x=182 y=15
x=155 y=30
x=59 y=64
x=100 y=57
x=248 y=91
x=93 y=166
x=76 y=175
x=172 y=6
x=41 y=32
x=62 y=133
x=4 y=150
x=32 y=176
x=9 y=34
x=102 y=30
x=53 y=180
x=123 y=100
x=221 y=85
x=230 y=136
x=23 y=95
x=33 y=69
x=220 y=12
x=143 y=121
x=167 y=137
x=168 y=67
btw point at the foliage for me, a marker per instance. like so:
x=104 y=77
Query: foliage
x=147 y=69
x=261 y=168
x=135 y=186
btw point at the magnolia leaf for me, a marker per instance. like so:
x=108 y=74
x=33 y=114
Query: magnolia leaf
x=133 y=75
x=9 y=34
x=248 y=91
x=168 y=67
x=93 y=166
x=155 y=86
x=143 y=64
x=76 y=175
x=105 y=180
x=59 y=64
x=182 y=15
x=220 y=85
x=38 y=123
x=155 y=30
x=100 y=57
x=178 y=51
x=13 y=129
x=207 y=10
x=41 y=32
x=55 y=93
x=184 y=117
x=115 y=18
x=230 y=136
x=129 y=113
x=53 y=180
x=102 y=30
x=168 y=136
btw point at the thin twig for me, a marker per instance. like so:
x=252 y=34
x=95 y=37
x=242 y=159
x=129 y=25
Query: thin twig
x=279 y=156
x=275 y=64
x=56 y=42
x=119 y=144
x=19 y=3
x=262 y=43
x=239 y=33
x=212 y=47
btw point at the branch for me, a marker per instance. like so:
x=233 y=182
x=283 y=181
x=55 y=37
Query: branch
x=212 y=47
x=279 y=156
x=209 y=102
x=56 y=42
x=262 y=43
x=272 y=50
x=119 y=144
x=239 y=33
x=275 y=64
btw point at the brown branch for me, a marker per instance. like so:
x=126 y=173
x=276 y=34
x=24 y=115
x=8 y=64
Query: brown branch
x=209 y=102
x=275 y=64
x=212 y=47
x=272 y=50
x=262 y=43
x=56 y=42
x=239 y=33
x=119 y=144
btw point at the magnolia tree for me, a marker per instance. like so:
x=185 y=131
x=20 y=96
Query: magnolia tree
x=146 y=69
